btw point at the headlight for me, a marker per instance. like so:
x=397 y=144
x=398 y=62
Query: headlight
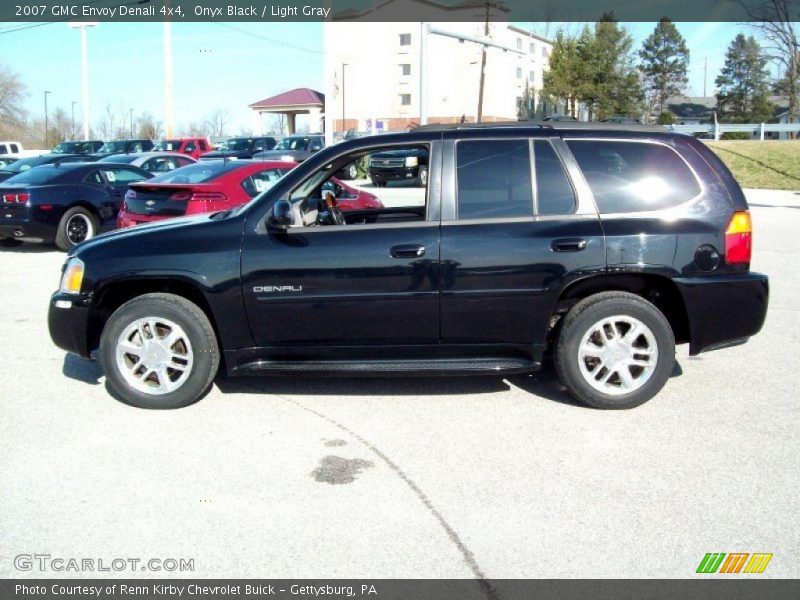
x=412 y=161
x=72 y=279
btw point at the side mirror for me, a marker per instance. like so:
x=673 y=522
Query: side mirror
x=282 y=215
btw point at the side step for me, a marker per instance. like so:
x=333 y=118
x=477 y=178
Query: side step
x=383 y=368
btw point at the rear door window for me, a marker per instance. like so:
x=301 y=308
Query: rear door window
x=494 y=179
x=634 y=176
x=554 y=193
x=261 y=181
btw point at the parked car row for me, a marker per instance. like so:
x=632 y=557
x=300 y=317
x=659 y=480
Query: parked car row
x=67 y=199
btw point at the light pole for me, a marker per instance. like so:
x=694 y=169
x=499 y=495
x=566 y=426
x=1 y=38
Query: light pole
x=344 y=121
x=84 y=75
x=168 y=87
x=46 y=146
x=72 y=129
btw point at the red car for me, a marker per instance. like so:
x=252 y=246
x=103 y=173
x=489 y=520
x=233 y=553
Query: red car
x=194 y=147
x=214 y=185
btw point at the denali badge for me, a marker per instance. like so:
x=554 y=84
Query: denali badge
x=268 y=289
x=150 y=203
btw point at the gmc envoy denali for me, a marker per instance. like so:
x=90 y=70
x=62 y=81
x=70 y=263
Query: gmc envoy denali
x=596 y=247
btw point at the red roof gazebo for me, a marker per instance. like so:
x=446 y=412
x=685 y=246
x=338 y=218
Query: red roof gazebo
x=292 y=103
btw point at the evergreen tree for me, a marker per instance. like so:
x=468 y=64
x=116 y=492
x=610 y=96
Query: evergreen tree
x=743 y=83
x=665 y=60
x=561 y=80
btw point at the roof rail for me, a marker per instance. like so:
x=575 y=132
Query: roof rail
x=481 y=125
x=554 y=125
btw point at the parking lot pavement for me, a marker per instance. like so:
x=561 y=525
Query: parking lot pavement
x=450 y=477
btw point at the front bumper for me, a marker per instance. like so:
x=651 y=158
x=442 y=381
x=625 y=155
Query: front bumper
x=68 y=322
x=393 y=173
x=723 y=310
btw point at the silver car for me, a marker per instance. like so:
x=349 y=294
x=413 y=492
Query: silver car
x=153 y=162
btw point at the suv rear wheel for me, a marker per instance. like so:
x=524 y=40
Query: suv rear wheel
x=615 y=350
x=159 y=351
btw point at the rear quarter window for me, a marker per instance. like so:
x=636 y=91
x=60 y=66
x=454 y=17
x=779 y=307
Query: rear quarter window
x=634 y=176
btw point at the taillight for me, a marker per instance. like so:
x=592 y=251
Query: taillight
x=23 y=198
x=209 y=197
x=180 y=197
x=739 y=238
x=16 y=198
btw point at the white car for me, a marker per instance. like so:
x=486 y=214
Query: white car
x=153 y=162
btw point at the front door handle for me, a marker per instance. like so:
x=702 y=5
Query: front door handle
x=568 y=245
x=407 y=251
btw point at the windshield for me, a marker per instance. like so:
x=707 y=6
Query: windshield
x=201 y=172
x=168 y=145
x=113 y=147
x=67 y=148
x=293 y=143
x=238 y=144
x=116 y=158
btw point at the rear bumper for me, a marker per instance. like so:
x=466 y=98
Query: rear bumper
x=724 y=310
x=27 y=228
x=126 y=219
x=68 y=322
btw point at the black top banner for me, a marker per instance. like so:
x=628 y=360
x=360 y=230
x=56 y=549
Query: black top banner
x=539 y=11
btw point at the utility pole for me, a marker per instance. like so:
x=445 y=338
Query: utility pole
x=131 y=123
x=705 y=76
x=168 y=75
x=423 y=73
x=483 y=66
x=72 y=129
x=84 y=75
x=46 y=145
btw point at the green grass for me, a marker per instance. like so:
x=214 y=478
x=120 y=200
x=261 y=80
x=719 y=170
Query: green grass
x=771 y=164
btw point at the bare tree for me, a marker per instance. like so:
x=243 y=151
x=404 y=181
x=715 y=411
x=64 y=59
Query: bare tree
x=194 y=129
x=778 y=24
x=12 y=95
x=148 y=127
x=278 y=124
x=217 y=121
x=106 y=124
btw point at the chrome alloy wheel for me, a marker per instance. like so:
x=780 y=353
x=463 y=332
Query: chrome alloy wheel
x=79 y=228
x=154 y=355
x=618 y=355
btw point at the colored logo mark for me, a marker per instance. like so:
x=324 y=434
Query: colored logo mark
x=734 y=562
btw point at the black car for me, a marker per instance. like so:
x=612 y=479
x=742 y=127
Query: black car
x=599 y=247
x=409 y=164
x=23 y=164
x=241 y=147
x=80 y=147
x=123 y=147
x=64 y=203
x=293 y=148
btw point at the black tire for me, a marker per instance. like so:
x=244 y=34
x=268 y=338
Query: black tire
x=350 y=171
x=422 y=177
x=194 y=322
x=77 y=215
x=9 y=242
x=580 y=320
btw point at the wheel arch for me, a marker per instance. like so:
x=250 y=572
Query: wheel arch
x=654 y=287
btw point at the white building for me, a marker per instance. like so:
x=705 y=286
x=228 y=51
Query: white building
x=372 y=73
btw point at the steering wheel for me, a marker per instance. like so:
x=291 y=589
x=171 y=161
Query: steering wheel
x=332 y=214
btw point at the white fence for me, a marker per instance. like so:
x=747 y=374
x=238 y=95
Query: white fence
x=753 y=129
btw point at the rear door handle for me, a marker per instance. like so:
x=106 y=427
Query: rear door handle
x=407 y=251
x=568 y=245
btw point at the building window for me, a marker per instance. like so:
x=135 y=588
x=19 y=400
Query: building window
x=519 y=72
x=531 y=76
x=544 y=52
x=405 y=69
x=405 y=99
x=405 y=39
x=533 y=48
x=519 y=43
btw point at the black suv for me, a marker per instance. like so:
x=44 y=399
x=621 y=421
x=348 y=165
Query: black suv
x=408 y=164
x=598 y=247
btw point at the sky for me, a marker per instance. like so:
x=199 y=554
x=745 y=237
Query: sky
x=225 y=66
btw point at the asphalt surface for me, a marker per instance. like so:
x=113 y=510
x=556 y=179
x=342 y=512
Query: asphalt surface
x=429 y=478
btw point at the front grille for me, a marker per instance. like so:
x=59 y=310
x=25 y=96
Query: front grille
x=387 y=163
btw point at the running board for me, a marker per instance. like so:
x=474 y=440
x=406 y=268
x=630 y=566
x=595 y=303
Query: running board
x=351 y=368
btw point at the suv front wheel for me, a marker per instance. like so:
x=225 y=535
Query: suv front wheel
x=615 y=350
x=159 y=351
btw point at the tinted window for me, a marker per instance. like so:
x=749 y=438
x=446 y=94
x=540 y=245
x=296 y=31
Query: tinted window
x=262 y=181
x=197 y=172
x=3 y=149
x=190 y=147
x=35 y=176
x=634 y=176
x=554 y=193
x=494 y=179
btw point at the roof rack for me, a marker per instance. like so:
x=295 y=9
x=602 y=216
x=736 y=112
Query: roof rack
x=554 y=125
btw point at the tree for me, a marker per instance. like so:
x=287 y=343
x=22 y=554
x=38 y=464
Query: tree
x=106 y=124
x=562 y=79
x=12 y=95
x=149 y=128
x=778 y=25
x=665 y=59
x=217 y=121
x=744 y=82
x=609 y=84
x=525 y=104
